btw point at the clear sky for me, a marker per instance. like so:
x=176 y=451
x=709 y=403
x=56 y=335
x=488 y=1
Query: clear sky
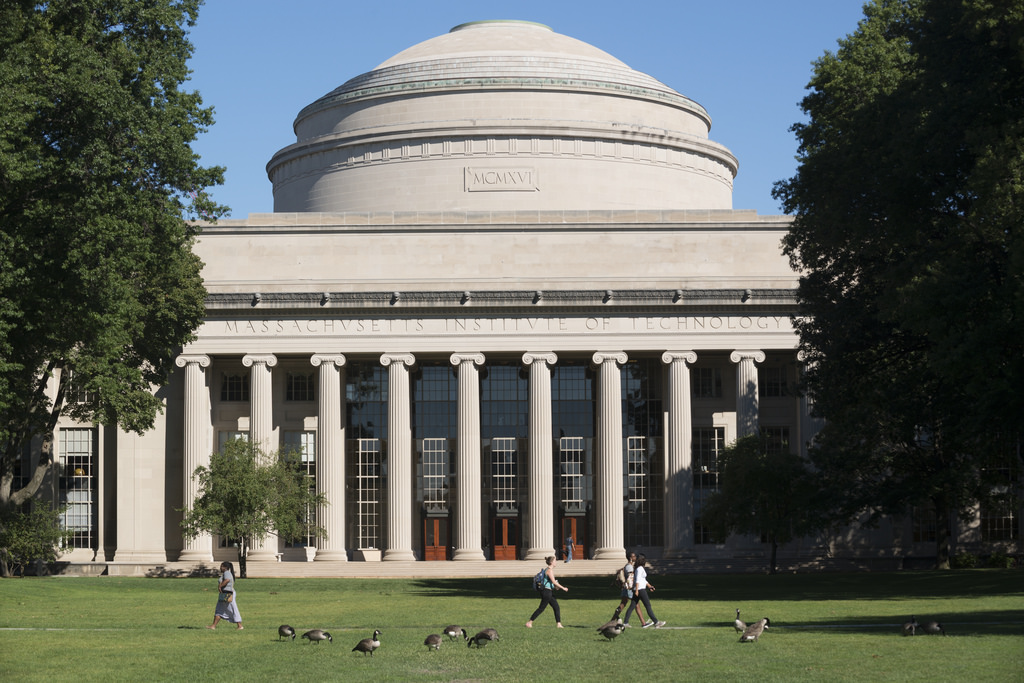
x=258 y=62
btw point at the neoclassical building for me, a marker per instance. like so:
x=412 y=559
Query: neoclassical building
x=503 y=299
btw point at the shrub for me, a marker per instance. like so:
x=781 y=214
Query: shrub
x=964 y=560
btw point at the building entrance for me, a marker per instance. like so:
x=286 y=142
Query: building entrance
x=435 y=538
x=575 y=528
x=505 y=532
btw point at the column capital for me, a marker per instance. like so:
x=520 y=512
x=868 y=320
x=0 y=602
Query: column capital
x=601 y=357
x=670 y=357
x=531 y=357
x=391 y=358
x=752 y=354
x=268 y=359
x=200 y=358
x=318 y=359
x=458 y=359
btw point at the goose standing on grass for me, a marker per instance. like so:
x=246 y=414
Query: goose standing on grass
x=754 y=631
x=285 y=631
x=932 y=628
x=316 y=635
x=910 y=628
x=433 y=642
x=739 y=625
x=483 y=637
x=612 y=629
x=454 y=631
x=368 y=645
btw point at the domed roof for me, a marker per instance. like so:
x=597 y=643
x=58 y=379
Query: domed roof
x=500 y=115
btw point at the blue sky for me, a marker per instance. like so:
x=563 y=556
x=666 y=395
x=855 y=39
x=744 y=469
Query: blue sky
x=258 y=62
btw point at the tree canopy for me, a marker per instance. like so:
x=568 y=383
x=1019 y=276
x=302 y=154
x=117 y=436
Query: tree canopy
x=99 y=287
x=765 y=491
x=246 y=495
x=907 y=205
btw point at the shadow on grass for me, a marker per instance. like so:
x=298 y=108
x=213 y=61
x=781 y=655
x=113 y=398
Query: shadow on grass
x=975 y=623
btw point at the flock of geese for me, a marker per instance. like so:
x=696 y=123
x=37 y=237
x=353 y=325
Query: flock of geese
x=749 y=633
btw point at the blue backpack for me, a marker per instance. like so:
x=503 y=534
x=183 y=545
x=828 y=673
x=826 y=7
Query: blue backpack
x=538 y=580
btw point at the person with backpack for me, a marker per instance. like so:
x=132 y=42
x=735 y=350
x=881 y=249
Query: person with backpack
x=548 y=584
x=625 y=580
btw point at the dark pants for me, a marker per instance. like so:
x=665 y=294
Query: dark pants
x=640 y=596
x=547 y=597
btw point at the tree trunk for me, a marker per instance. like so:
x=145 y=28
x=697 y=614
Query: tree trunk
x=942 y=535
x=243 y=551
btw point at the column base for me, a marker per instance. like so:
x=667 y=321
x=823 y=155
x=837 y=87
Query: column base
x=191 y=555
x=680 y=554
x=609 y=554
x=261 y=556
x=398 y=555
x=468 y=554
x=330 y=555
x=539 y=553
x=156 y=556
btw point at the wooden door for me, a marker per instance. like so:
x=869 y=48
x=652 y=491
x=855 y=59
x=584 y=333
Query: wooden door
x=505 y=532
x=575 y=528
x=435 y=538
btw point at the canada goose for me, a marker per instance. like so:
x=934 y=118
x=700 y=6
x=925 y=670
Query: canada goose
x=483 y=637
x=933 y=627
x=910 y=628
x=612 y=629
x=455 y=631
x=739 y=624
x=752 y=632
x=433 y=642
x=285 y=631
x=368 y=645
x=316 y=635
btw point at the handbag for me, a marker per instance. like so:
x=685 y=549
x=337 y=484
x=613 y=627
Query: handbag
x=230 y=596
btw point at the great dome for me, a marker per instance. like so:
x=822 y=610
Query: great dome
x=502 y=116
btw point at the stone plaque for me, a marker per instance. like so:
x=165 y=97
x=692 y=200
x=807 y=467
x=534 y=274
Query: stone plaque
x=516 y=179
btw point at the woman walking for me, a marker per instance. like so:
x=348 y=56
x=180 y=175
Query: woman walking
x=547 y=597
x=227 y=601
x=640 y=587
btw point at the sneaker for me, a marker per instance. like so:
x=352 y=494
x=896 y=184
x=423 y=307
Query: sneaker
x=648 y=624
x=659 y=624
x=627 y=626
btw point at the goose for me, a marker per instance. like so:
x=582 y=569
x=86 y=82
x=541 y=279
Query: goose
x=285 y=631
x=368 y=645
x=933 y=627
x=316 y=635
x=752 y=632
x=739 y=624
x=483 y=637
x=612 y=629
x=455 y=631
x=910 y=628
x=433 y=642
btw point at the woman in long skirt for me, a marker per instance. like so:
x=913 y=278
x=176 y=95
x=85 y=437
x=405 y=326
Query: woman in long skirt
x=227 y=599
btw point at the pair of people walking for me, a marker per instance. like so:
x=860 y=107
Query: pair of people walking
x=635 y=590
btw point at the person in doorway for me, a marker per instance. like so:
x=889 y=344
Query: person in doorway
x=227 y=600
x=547 y=593
x=570 y=545
x=640 y=587
x=626 y=593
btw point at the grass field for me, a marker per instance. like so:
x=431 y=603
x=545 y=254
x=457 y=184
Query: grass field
x=825 y=627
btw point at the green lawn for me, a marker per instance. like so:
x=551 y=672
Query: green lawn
x=828 y=627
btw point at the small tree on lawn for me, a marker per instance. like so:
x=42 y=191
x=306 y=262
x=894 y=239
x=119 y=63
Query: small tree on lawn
x=764 y=492
x=247 y=496
x=27 y=537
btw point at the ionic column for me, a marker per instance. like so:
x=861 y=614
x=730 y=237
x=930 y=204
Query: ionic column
x=608 y=488
x=540 y=518
x=398 y=524
x=746 y=390
x=196 y=446
x=679 y=484
x=467 y=458
x=261 y=429
x=330 y=456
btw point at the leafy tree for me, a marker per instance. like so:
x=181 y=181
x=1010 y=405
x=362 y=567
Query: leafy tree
x=28 y=537
x=908 y=210
x=247 y=496
x=99 y=286
x=764 y=491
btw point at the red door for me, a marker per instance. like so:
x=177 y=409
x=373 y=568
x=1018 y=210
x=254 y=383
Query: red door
x=574 y=528
x=506 y=537
x=435 y=538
